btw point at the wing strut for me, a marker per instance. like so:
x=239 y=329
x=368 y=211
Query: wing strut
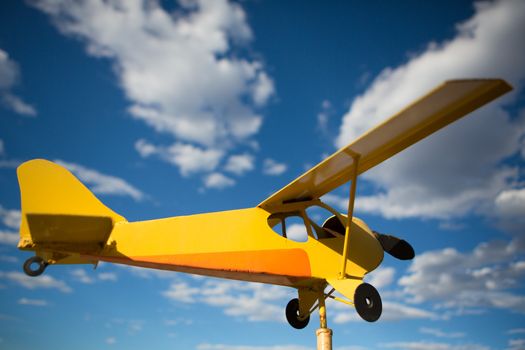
x=351 y=200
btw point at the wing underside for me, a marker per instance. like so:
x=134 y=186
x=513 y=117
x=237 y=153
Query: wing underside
x=442 y=106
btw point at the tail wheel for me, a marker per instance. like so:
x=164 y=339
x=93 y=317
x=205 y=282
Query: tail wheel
x=368 y=302
x=31 y=263
x=292 y=315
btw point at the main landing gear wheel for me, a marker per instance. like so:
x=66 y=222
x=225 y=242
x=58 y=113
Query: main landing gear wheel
x=292 y=315
x=31 y=262
x=368 y=302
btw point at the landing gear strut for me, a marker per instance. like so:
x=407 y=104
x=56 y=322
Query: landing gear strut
x=30 y=263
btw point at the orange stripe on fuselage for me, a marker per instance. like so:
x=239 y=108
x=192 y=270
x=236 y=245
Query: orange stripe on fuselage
x=286 y=262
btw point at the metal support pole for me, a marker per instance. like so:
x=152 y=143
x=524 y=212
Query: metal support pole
x=351 y=200
x=324 y=334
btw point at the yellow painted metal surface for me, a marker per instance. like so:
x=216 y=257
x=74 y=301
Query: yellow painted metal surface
x=440 y=107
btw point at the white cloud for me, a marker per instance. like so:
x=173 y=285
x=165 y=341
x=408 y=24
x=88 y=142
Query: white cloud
x=510 y=209
x=111 y=340
x=324 y=116
x=381 y=277
x=10 y=217
x=516 y=344
x=179 y=69
x=240 y=163
x=9 y=77
x=484 y=277
x=8 y=259
x=251 y=301
x=181 y=292
x=9 y=238
x=188 y=158
x=107 y=276
x=205 y=346
x=44 y=281
x=516 y=331
x=32 y=302
x=102 y=183
x=218 y=181
x=296 y=232
x=423 y=345
x=445 y=176
x=272 y=167
x=440 y=334
x=81 y=276
x=392 y=311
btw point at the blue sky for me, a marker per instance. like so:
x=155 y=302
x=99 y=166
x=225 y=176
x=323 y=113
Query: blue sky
x=172 y=108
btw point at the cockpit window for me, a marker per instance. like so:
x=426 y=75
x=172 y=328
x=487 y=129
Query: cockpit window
x=317 y=221
x=325 y=223
x=289 y=225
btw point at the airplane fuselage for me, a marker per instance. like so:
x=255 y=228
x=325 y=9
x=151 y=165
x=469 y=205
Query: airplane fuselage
x=237 y=244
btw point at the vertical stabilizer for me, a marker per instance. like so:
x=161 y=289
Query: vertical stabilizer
x=59 y=212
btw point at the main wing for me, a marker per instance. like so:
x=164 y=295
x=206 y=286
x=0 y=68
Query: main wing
x=440 y=107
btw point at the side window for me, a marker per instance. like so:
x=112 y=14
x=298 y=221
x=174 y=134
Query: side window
x=289 y=225
x=324 y=222
x=296 y=229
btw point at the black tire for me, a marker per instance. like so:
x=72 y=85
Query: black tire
x=367 y=302
x=34 y=260
x=292 y=315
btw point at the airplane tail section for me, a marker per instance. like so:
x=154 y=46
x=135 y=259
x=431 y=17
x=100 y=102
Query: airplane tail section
x=61 y=218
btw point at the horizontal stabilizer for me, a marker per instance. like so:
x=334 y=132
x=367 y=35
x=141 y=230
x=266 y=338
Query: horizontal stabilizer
x=69 y=233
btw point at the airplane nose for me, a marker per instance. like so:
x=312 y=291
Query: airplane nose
x=397 y=247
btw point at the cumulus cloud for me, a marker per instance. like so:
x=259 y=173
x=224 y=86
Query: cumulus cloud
x=460 y=169
x=516 y=344
x=251 y=301
x=81 y=276
x=44 y=281
x=9 y=77
x=10 y=217
x=107 y=276
x=510 y=209
x=392 y=311
x=484 y=277
x=206 y=346
x=32 y=302
x=240 y=163
x=274 y=168
x=102 y=183
x=381 y=277
x=180 y=69
x=424 y=345
x=323 y=116
x=188 y=158
x=9 y=238
x=440 y=334
x=218 y=181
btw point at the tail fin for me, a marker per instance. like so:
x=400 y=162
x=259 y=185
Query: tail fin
x=59 y=214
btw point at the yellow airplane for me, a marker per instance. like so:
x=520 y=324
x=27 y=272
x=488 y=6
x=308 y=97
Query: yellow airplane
x=64 y=223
